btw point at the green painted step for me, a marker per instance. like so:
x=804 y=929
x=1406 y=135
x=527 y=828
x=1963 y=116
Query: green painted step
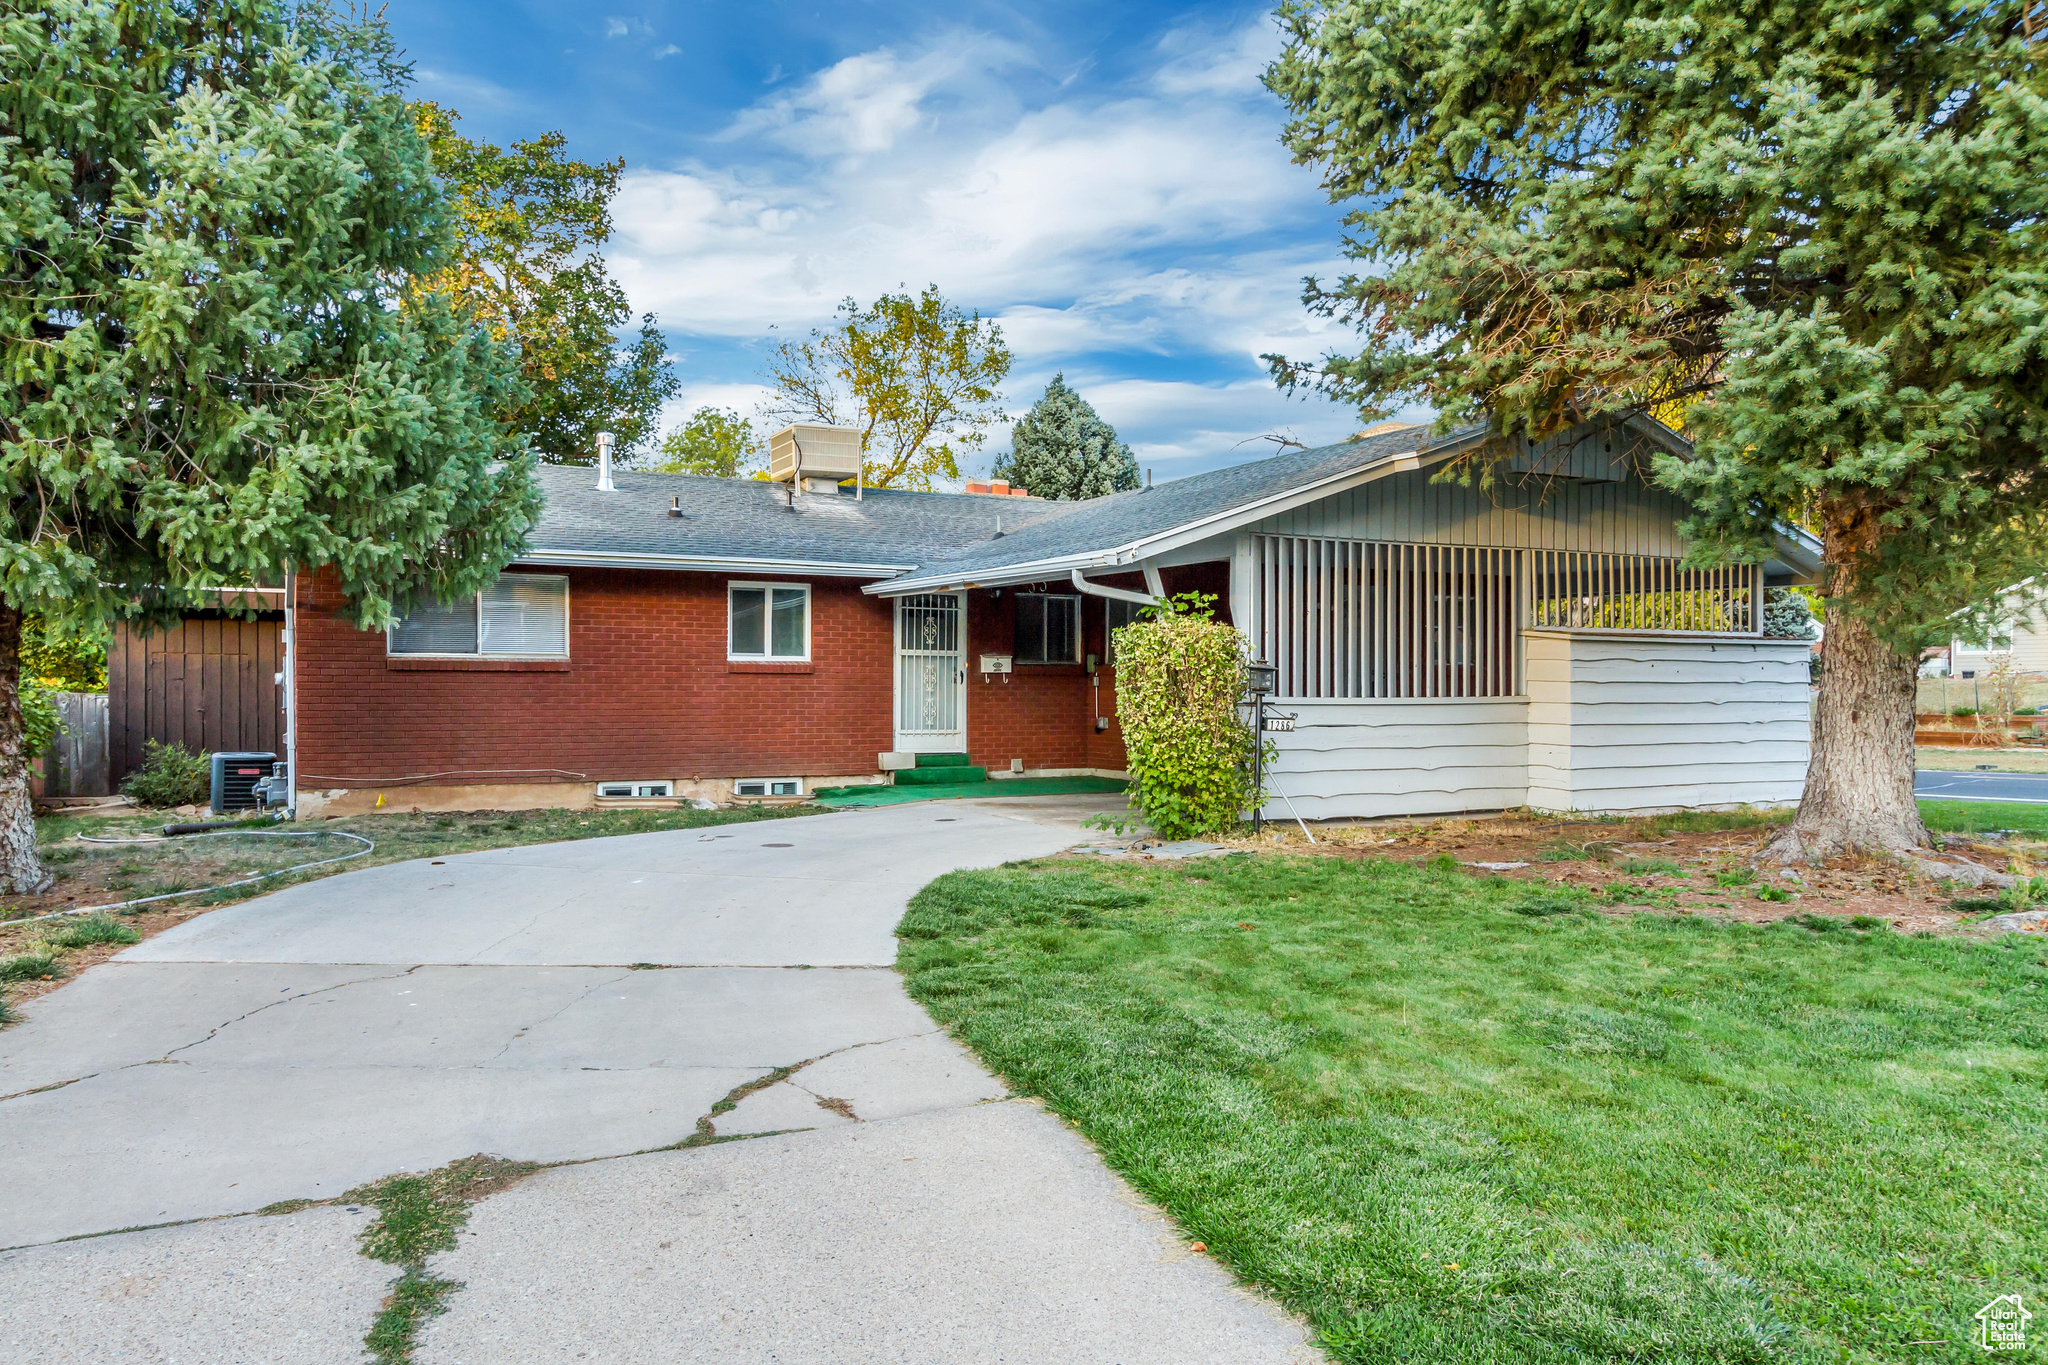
x=943 y=761
x=854 y=798
x=952 y=775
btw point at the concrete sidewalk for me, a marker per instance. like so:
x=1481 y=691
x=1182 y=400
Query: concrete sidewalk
x=580 y=1002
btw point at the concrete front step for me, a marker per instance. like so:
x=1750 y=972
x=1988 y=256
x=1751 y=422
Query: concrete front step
x=942 y=761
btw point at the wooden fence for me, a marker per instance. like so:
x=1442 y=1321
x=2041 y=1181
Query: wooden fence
x=77 y=763
x=209 y=683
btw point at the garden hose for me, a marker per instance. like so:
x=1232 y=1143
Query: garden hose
x=167 y=836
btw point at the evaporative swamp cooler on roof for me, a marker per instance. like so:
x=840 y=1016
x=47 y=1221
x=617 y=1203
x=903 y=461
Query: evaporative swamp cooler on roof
x=817 y=456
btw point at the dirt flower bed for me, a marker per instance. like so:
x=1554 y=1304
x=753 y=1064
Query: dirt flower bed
x=1697 y=863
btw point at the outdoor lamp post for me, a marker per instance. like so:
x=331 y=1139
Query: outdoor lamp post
x=1261 y=680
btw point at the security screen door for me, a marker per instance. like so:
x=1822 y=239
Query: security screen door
x=931 y=674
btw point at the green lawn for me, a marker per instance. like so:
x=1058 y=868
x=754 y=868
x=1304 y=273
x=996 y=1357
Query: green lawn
x=1971 y=817
x=1461 y=1120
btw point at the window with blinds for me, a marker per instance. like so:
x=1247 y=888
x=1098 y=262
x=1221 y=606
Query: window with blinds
x=519 y=616
x=1372 y=619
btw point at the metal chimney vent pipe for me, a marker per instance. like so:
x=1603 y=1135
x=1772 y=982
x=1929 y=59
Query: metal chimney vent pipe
x=604 y=462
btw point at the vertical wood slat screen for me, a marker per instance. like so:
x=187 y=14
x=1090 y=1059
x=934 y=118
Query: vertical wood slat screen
x=1591 y=590
x=1382 y=619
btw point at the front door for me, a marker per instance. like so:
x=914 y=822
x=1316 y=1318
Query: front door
x=931 y=673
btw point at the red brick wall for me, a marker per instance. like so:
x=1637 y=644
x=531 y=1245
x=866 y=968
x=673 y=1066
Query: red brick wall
x=647 y=692
x=1045 y=714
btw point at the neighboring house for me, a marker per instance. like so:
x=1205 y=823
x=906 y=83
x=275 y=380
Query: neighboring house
x=1444 y=647
x=2022 y=631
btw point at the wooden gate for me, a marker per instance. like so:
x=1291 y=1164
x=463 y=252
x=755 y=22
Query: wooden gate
x=208 y=683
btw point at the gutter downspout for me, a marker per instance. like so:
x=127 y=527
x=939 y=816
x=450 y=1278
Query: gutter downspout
x=1151 y=598
x=291 y=691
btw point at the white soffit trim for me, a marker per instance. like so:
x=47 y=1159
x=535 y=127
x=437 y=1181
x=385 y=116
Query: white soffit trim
x=598 y=559
x=1173 y=538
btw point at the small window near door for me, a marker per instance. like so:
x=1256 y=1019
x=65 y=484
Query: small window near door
x=1048 y=628
x=768 y=622
x=629 y=790
x=769 y=786
x=1118 y=615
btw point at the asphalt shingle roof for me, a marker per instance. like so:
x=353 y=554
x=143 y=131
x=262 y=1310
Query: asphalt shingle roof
x=1119 y=519
x=925 y=533
x=749 y=519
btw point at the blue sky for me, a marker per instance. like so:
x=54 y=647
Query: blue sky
x=1105 y=179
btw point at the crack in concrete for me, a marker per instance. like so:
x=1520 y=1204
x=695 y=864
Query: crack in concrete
x=538 y=915
x=171 y=1057
x=698 y=1138
x=581 y=996
x=273 y=1004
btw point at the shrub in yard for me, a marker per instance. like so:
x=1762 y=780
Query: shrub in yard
x=1787 y=615
x=170 y=775
x=1188 y=745
x=33 y=965
x=39 y=723
x=87 y=930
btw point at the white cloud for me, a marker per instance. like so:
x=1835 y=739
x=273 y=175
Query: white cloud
x=1201 y=63
x=1163 y=218
x=670 y=51
x=463 y=92
x=745 y=399
x=616 y=26
x=866 y=103
x=1063 y=207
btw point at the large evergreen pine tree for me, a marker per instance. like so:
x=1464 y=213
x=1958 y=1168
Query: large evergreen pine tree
x=1823 y=223
x=212 y=210
x=1062 y=449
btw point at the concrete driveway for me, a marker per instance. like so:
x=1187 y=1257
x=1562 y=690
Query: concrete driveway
x=580 y=1002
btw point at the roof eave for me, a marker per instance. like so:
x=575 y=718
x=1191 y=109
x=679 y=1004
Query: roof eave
x=1173 y=538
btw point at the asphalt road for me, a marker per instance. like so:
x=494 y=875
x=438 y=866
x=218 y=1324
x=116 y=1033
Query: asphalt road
x=1944 y=786
x=582 y=1002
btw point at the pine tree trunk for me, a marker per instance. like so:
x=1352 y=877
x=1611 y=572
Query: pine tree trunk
x=21 y=869
x=1859 y=784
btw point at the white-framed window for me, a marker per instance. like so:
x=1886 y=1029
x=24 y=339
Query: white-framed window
x=1116 y=615
x=768 y=786
x=635 y=789
x=768 y=622
x=520 y=616
x=1048 y=628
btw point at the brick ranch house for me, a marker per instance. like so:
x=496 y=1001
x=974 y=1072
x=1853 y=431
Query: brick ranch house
x=1443 y=647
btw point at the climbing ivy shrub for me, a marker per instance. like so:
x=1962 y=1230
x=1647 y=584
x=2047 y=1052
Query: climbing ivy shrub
x=1179 y=678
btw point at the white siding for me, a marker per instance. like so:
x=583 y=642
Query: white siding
x=2030 y=642
x=1370 y=758
x=1612 y=723
x=1639 y=723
